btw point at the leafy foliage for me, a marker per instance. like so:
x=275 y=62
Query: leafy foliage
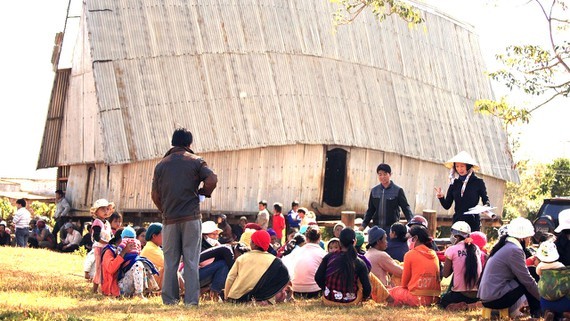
x=6 y=209
x=350 y=9
x=533 y=69
x=43 y=209
x=557 y=179
x=524 y=199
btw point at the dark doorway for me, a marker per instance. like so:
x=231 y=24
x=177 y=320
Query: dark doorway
x=335 y=176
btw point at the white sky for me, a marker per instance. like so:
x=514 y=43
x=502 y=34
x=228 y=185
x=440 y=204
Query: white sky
x=28 y=28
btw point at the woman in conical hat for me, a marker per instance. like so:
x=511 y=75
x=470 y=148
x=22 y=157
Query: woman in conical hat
x=465 y=189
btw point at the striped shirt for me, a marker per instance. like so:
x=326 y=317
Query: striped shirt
x=22 y=218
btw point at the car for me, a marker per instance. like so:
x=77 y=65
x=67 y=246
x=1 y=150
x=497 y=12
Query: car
x=547 y=217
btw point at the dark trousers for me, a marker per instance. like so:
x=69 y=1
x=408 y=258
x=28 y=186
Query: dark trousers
x=512 y=297
x=307 y=295
x=59 y=222
x=455 y=297
x=69 y=249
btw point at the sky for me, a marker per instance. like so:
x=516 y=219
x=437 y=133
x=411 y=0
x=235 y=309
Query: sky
x=28 y=28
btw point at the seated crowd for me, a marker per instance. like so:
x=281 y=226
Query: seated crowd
x=400 y=267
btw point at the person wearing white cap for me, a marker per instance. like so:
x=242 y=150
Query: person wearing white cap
x=563 y=237
x=553 y=283
x=506 y=281
x=4 y=236
x=216 y=259
x=101 y=233
x=463 y=260
x=465 y=189
x=548 y=256
x=181 y=180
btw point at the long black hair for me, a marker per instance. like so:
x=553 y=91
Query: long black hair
x=400 y=230
x=471 y=276
x=347 y=237
x=422 y=233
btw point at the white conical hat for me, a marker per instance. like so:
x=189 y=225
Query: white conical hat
x=462 y=157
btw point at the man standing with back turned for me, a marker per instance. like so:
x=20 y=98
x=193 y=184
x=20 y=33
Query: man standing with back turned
x=177 y=194
x=385 y=201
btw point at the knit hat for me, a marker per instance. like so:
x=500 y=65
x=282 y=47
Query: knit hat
x=375 y=234
x=271 y=232
x=153 y=229
x=67 y=225
x=253 y=226
x=359 y=238
x=261 y=238
x=128 y=232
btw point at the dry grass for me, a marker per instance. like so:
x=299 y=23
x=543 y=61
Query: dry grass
x=43 y=285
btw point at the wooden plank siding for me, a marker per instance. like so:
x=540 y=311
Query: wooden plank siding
x=276 y=174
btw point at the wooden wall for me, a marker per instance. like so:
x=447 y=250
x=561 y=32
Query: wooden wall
x=276 y=174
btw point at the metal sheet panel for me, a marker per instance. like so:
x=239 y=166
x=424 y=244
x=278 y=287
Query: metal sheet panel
x=248 y=74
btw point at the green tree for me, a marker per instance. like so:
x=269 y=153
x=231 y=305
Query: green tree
x=535 y=70
x=524 y=199
x=6 y=209
x=557 y=178
x=43 y=209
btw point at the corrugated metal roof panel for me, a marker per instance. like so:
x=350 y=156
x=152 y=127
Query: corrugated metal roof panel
x=246 y=74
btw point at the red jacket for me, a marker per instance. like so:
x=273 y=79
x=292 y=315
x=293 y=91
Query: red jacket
x=279 y=225
x=110 y=269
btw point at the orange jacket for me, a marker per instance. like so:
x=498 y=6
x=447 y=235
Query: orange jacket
x=421 y=272
x=110 y=269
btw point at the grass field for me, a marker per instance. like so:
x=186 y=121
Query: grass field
x=44 y=285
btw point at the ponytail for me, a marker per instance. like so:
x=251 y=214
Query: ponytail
x=347 y=237
x=470 y=277
x=499 y=245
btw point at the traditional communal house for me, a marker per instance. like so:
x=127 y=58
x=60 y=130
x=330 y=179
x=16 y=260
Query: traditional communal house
x=282 y=105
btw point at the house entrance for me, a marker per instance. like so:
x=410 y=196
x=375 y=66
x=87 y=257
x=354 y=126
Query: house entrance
x=335 y=177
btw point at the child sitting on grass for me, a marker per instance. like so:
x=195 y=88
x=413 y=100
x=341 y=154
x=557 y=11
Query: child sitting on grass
x=550 y=284
x=129 y=237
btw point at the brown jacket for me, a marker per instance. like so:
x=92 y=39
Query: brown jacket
x=175 y=185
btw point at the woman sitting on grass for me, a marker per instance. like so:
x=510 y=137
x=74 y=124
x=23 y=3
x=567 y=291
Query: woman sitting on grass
x=111 y=263
x=463 y=259
x=506 y=281
x=136 y=276
x=343 y=276
x=46 y=240
x=420 y=279
x=383 y=266
x=257 y=275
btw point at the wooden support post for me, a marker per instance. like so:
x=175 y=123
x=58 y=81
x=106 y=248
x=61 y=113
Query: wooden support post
x=431 y=217
x=347 y=217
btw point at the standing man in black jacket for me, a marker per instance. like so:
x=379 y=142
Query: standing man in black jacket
x=177 y=194
x=385 y=202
